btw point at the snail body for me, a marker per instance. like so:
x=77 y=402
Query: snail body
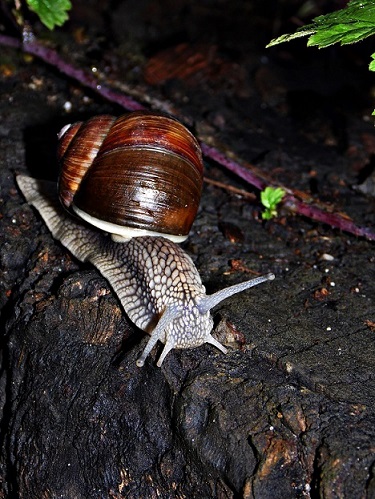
x=155 y=280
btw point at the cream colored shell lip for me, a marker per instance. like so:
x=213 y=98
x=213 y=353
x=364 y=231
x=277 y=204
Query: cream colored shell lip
x=121 y=234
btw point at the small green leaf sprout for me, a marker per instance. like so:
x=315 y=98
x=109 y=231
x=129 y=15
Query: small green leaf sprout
x=270 y=197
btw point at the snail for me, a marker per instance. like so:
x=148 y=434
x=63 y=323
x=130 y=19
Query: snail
x=128 y=192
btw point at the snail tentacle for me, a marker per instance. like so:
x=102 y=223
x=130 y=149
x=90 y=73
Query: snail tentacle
x=210 y=301
x=169 y=315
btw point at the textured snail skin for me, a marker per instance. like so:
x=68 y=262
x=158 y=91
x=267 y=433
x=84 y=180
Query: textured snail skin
x=156 y=281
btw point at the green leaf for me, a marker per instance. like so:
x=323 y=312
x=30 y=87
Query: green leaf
x=343 y=34
x=372 y=63
x=51 y=12
x=290 y=36
x=268 y=214
x=270 y=198
x=349 y=25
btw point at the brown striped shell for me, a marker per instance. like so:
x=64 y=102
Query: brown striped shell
x=142 y=171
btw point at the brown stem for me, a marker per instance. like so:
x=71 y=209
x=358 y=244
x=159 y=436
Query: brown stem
x=247 y=172
x=230 y=188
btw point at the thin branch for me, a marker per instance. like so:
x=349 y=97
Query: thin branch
x=230 y=188
x=337 y=220
x=292 y=201
x=246 y=173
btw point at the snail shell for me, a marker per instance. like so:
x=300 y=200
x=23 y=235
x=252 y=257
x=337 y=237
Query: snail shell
x=135 y=175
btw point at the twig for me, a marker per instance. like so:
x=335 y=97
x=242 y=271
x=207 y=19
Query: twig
x=241 y=192
x=246 y=171
x=337 y=220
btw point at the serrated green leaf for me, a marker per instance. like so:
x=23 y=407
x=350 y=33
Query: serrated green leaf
x=264 y=197
x=348 y=25
x=372 y=63
x=51 y=12
x=343 y=34
x=270 y=197
x=290 y=36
